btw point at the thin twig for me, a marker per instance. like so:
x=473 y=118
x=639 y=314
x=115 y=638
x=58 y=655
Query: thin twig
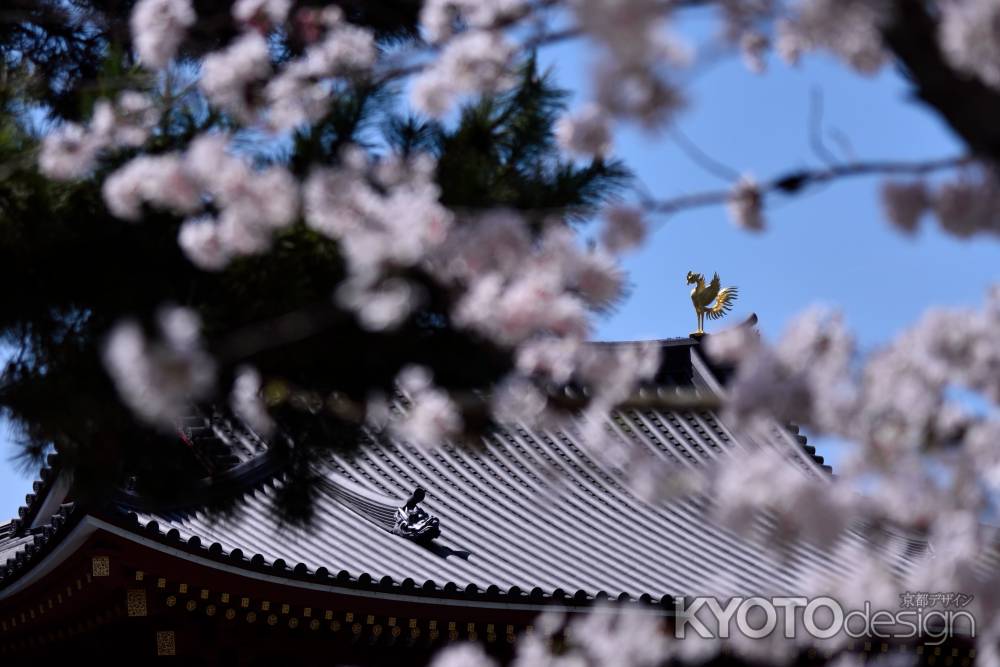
x=697 y=155
x=816 y=128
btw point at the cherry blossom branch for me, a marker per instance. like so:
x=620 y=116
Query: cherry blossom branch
x=795 y=182
x=542 y=36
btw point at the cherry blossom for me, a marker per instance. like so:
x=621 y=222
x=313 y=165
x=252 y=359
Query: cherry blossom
x=226 y=74
x=746 y=205
x=201 y=241
x=159 y=379
x=432 y=417
x=250 y=11
x=969 y=38
x=473 y=62
x=586 y=132
x=160 y=180
x=68 y=153
x=624 y=228
x=72 y=150
x=252 y=203
x=158 y=27
x=754 y=47
x=382 y=306
x=905 y=204
x=439 y=17
x=463 y=655
x=851 y=29
x=968 y=204
x=247 y=402
x=380 y=224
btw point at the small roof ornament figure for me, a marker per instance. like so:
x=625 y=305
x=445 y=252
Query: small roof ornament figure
x=413 y=522
x=713 y=300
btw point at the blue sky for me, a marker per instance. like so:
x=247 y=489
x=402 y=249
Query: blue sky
x=831 y=247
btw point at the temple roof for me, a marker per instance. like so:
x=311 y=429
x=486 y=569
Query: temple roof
x=528 y=516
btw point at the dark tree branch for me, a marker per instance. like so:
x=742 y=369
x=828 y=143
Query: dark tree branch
x=794 y=182
x=966 y=104
x=542 y=36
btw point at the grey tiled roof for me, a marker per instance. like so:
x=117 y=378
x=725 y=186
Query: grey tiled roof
x=21 y=546
x=11 y=544
x=528 y=509
x=529 y=514
x=532 y=510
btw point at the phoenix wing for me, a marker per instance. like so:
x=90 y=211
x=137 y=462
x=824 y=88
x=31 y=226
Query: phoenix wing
x=724 y=303
x=709 y=293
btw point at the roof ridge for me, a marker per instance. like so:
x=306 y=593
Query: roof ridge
x=37 y=543
x=39 y=491
x=810 y=450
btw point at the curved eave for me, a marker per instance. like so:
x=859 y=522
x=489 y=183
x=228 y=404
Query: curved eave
x=35 y=553
x=126 y=529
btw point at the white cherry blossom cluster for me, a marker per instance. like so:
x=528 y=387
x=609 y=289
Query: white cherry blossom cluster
x=624 y=228
x=226 y=75
x=897 y=401
x=551 y=289
x=633 y=75
x=242 y=80
x=472 y=62
x=927 y=462
x=605 y=637
x=850 y=29
x=72 y=150
x=250 y=204
x=158 y=379
x=384 y=215
x=247 y=403
x=474 y=54
x=441 y=19
x=763 y=483
x=963 y=206
x=746 y=205
x=266 y=12
x=158 y=28
x=586 y=132
x=303 y=90
x=432 y=417
x=744 y=18
x=970 y=37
